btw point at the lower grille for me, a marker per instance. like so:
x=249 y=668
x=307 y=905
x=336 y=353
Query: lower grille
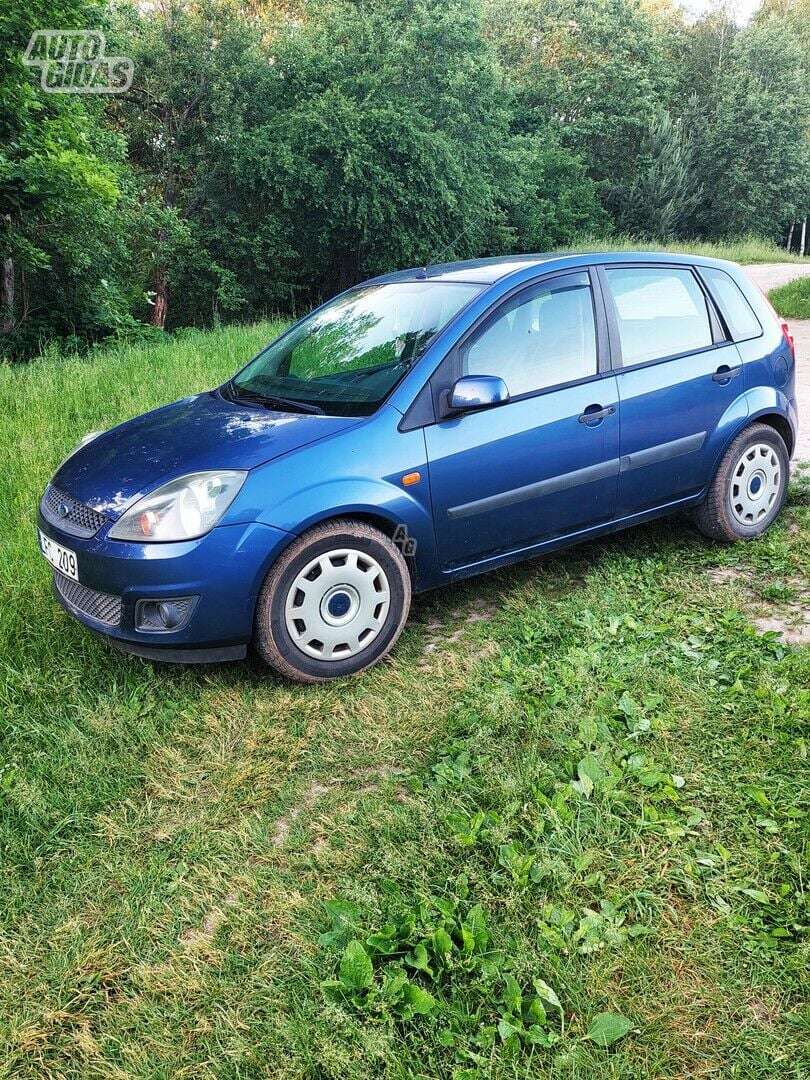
x=96 y=605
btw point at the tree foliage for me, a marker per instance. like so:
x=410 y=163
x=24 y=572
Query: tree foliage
x=592 y=68
x=272 y=152
x=64 y=206
x=752 y=148
x=664 y=193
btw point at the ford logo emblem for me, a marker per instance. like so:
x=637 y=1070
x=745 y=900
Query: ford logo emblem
x=63 y=509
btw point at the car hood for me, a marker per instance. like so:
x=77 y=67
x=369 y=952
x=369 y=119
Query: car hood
x=202 y=432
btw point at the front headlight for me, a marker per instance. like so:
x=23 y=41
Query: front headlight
x=183 y=509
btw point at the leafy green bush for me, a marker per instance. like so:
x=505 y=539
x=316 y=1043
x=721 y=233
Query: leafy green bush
x=416 y=964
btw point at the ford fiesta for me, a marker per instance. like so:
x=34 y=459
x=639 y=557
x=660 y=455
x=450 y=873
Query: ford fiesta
x=423 y=427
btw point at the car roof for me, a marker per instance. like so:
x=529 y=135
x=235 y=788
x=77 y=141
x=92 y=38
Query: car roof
x=481 y=271
x=488 y=271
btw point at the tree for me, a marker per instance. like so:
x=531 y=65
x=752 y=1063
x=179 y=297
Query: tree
x=752 y=149
x=664 y=194
x=282 y=160
x=547 y=198
x=62 y=197
x=386 y=134
x=794 y=18
x=391 y=136
x=193 y=66
x=591 y=69
x=701 y=55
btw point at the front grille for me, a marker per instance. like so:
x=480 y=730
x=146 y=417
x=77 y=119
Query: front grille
x=97 y=605
x=68 y=514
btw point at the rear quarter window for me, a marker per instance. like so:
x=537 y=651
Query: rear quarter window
x=740 y=319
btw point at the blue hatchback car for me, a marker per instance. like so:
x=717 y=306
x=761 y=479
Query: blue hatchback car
x=420 y=428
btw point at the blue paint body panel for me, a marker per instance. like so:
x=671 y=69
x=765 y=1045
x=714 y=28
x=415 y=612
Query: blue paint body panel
x=531 y=479
x=496 y=485
x=665 y=405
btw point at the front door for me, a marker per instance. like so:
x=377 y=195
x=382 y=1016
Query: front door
x=544 y=464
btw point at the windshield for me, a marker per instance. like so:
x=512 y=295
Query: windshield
x=347 y=357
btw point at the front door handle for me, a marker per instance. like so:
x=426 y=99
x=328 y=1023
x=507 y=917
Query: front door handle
x=725 y=374
x=595 y=414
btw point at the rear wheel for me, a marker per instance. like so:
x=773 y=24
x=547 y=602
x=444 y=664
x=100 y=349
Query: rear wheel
x=749 y=487
x=334 y=603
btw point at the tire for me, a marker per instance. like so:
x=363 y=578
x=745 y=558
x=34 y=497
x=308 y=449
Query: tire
x=333 y=604
x=749 y=488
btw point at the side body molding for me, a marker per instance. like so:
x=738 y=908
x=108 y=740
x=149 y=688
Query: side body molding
x=543 y=487
x=663 y=451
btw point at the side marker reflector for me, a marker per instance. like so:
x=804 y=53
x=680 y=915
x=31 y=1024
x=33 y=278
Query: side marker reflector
x=411 y=478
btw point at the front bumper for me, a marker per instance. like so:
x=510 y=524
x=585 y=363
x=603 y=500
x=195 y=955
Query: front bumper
x=175 y=656
x=223 y=569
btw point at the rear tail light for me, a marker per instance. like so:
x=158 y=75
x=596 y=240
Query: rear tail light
x=789 y=339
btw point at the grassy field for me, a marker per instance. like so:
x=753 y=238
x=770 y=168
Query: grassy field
x=792 y=301
x=570 y=811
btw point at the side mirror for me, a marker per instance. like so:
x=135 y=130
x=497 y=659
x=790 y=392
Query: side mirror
x=476 y=392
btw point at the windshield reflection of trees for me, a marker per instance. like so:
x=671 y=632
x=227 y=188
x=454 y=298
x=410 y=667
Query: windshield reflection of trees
x=341 y=352
x=332 y=347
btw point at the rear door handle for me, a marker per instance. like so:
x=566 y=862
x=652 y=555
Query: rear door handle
x=596 y=413
x=725 y=374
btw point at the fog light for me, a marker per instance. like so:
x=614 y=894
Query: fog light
x=161 y=616
x=169 y=615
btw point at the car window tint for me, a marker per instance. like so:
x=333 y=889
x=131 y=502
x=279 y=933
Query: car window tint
x=660 y=311
x=739 y=316
x=542 y=337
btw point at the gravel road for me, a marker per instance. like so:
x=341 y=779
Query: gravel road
x=770 y=276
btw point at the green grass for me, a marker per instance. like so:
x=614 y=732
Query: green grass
x=792 y=301
x=744 y=249
x=589 y=770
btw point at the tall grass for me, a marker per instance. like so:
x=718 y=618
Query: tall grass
x=792 y=301
x=46 y=402
x=744 y=249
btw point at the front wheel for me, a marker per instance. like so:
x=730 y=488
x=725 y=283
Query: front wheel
x=749 y=487
x=334 y=603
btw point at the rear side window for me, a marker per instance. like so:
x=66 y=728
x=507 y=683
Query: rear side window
x=661 y=311
x=740 y=318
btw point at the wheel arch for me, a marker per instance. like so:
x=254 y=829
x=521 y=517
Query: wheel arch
x=760 y=405
x=780 y=424
x=714 y=514
x=386 y=525
x=384 y=503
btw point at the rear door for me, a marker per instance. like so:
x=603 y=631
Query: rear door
x=545 y=463
x=676 y=376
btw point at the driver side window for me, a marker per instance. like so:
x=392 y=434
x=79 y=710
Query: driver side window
x=539 y=338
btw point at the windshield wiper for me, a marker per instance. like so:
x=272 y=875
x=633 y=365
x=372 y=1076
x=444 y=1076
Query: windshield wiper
x=272 y=402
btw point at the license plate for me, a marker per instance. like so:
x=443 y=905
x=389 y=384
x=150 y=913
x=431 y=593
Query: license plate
x=61 y=558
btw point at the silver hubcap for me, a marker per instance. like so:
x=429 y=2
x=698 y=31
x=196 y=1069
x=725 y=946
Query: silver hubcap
x=755 y=484
x=337 y=604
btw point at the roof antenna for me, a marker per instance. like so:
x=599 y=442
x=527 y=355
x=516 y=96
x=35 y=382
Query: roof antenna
x=422 y=274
